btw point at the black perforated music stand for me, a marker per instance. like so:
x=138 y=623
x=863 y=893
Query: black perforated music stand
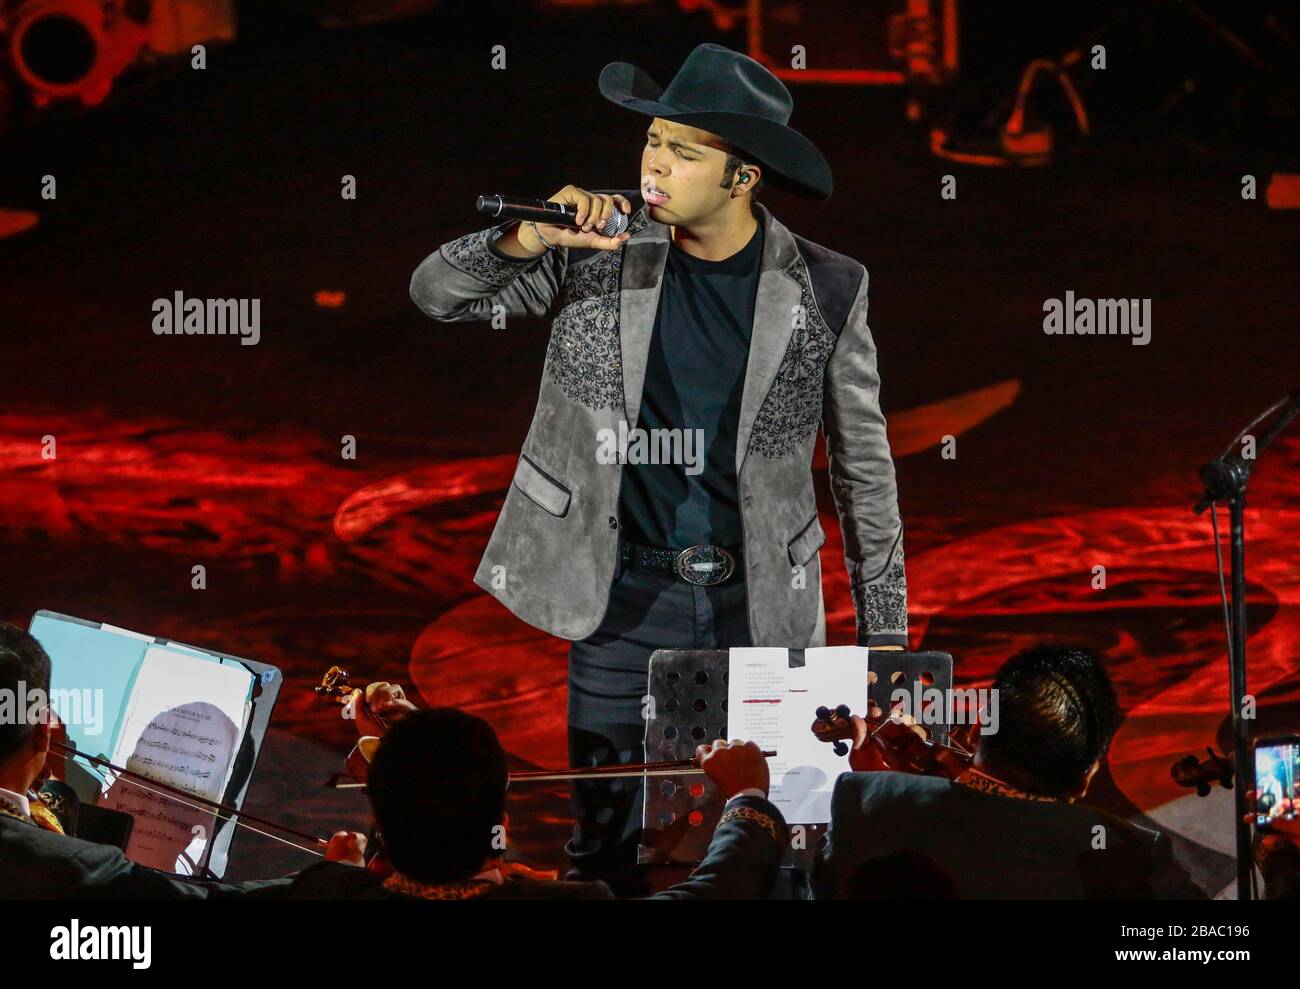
x=689 y=687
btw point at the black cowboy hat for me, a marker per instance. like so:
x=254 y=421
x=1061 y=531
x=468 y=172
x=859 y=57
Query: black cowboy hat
x=733 y=96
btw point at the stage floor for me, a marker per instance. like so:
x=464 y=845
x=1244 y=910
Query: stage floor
x=1072 y=452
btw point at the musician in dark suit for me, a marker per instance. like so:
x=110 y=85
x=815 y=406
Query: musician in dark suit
x=437 y=786
x=1011 y=826
x=37 y=860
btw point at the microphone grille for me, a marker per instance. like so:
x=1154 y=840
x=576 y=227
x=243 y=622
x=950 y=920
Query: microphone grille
x=615 y=225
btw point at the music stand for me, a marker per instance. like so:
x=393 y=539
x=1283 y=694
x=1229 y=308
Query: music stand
x=689 y=691
x=265 y=690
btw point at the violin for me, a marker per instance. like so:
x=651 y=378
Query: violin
x=336 y=685
x=1200 y=774
x=893 y=742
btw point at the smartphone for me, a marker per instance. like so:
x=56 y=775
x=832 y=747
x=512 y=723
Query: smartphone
x=1277 y=779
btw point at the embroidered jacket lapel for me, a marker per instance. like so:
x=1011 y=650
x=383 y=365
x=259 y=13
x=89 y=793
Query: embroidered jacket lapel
x=642 y=278
x=778 y=294
x=774 y=309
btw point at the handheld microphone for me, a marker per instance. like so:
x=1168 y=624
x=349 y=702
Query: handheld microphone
x=545 y=211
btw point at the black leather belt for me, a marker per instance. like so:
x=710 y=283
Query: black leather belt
x=703 y=565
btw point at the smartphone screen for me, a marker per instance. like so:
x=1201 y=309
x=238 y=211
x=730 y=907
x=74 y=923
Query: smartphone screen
x=1277 y=780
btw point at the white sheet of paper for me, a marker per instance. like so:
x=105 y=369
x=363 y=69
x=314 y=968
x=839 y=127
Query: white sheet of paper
x=125 y=631
x=775 y=706
x=183 y=724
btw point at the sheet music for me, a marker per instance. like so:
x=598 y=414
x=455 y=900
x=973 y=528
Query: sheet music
x=183 y=725
x=775 y=706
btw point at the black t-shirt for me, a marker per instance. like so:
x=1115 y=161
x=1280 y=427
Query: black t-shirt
x=695 y=377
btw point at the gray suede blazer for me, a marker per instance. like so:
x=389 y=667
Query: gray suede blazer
x=551 y=559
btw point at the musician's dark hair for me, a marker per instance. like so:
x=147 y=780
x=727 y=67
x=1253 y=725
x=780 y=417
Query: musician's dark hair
x=22 y=660
x=438 y=788
x=1057 y=712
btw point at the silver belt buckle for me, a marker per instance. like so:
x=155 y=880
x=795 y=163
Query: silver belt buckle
x=705 y=565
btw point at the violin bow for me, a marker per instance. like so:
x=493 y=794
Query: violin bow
x=670 y=767
x=225 y=812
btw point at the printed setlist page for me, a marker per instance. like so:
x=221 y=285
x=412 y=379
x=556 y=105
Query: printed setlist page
x=773 y=705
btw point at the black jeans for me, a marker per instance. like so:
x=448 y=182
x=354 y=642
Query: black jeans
x=607 y=685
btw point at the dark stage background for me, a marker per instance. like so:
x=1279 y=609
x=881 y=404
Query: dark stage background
x=1071 y=451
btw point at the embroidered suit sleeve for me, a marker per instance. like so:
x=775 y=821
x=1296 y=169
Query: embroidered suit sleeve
x=744 y=857
x=469 y=277
x=862 y=481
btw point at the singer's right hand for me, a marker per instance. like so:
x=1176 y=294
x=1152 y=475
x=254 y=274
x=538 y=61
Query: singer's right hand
x=593 y=210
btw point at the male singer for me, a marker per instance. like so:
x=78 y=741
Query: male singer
x=708 y=343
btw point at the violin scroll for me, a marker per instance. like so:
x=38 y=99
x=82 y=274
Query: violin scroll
x=335 y=684
x=892 y=741
x=835 y=726
x=1200 y=774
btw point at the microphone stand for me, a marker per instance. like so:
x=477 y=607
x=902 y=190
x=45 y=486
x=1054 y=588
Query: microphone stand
x=1224 y=479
